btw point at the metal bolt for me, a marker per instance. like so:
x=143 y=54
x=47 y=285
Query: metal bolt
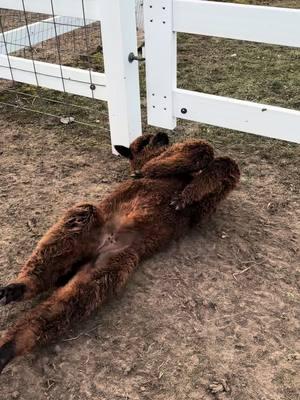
x=93 y=87
x=183 y=111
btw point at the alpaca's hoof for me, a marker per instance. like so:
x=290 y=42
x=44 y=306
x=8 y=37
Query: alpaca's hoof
x=12 y=292
x=137 y=175
x=178 y=203
x=7 y=353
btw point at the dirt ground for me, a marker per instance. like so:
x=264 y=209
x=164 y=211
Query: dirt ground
x=216 y=316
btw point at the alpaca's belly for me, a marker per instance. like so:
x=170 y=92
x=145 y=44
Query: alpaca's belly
x=147 y=216
x=115 y=239
x=128 y=225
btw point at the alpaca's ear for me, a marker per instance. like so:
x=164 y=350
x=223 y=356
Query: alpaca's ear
x=124 y=152
x=161 y=139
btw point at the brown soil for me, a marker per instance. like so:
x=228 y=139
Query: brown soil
x=215 y=316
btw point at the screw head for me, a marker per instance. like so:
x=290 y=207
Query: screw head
x=93 y=87
x=183 y=111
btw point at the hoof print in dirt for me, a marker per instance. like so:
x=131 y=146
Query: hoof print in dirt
x=13 y=292
x=219 y=387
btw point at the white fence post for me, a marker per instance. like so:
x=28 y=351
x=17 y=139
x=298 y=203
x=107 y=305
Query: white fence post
x=161 y=62
x=119 y=40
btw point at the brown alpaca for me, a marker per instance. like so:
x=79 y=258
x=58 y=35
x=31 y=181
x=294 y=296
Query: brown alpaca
x=91 y=252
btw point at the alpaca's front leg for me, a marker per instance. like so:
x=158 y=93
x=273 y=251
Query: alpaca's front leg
x=72 y=239
x=181 y=158
x=78 y=298
x=222 y=173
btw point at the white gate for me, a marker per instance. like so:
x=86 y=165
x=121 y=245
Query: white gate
x=119 y=85
x=166 y=103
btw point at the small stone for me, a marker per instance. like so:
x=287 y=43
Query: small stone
x=283 y=316
x=219 y=387
x=57 y=349
x=67 y=120
x=15 y=395
x=225 y=385
x=216 y=387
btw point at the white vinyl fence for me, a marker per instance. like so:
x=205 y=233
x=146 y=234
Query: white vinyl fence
x=166 y=103
x=119 y=85
x=121 y=23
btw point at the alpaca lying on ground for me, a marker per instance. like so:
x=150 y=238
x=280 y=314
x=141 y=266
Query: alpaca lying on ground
x=91 y=252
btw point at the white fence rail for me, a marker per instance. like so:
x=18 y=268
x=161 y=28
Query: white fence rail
x=65 y=8
x=52 y=76
x=163 y=18
x=261 y=24
x=19 y=38
x=119 y=86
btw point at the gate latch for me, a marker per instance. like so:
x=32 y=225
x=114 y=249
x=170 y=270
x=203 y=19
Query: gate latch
x=132 y=57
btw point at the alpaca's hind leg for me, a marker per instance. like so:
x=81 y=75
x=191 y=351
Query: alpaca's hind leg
x=79 y=297
x=214 y=182
x=72 y=239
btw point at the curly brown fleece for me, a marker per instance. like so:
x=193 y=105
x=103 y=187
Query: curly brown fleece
x=90 y=253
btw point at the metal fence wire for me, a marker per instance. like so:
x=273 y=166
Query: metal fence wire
x=65 y=41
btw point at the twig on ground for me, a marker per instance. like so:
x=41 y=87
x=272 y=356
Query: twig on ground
x=81 y=334
x=235 y=274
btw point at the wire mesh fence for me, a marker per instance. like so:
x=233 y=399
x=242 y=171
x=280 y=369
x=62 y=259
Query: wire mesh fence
x=64 y=41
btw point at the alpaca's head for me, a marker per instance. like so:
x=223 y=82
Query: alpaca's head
x=143 y=149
